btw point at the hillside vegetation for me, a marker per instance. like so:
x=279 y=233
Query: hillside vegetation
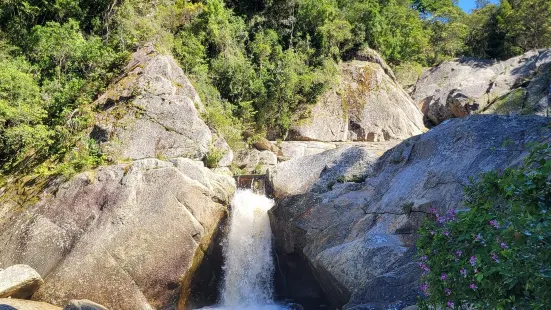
x=254 y=63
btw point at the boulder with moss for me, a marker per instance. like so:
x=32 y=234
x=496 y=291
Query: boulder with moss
x=367 y=105
x=520 y=85
x=153 y=111
x=130 y=235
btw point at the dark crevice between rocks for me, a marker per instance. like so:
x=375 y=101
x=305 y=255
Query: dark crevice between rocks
x=205 y=283
x=295 y=283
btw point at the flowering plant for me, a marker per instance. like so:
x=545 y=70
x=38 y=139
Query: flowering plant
x=496 y=255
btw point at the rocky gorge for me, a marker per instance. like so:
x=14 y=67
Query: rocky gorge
x=351 y=187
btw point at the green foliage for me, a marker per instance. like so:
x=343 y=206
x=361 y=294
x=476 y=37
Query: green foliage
x=51 y=70
x=496 y=255
x=256 y=64
x=213 y=157
x=407 y=73
x=21 y=109
x=509 y=29
x=258 y=83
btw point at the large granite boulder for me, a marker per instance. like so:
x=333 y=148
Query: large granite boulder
x=152 y=111
x=319 y=172
x=127 y=236
x=19 y=281
x=520 y=85
x=130 y=235
x=367 y=105
x=358 y=234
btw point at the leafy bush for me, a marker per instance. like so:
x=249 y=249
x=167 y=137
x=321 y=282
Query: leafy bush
x=497 y=255
x=213 y=157
x=21 y=109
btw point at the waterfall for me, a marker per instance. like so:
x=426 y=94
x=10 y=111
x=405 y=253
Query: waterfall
x=248 y=261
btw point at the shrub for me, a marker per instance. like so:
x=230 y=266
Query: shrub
x=496 y=255
x=213 y=157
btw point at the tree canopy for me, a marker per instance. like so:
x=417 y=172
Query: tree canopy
x=255 y=63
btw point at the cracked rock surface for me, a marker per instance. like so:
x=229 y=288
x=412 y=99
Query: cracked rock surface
x=520 y=85
x=128 y=236
x=121 y=236
x=354 y=218
x=152 y=111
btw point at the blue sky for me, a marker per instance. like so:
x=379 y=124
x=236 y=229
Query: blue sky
x=468 y=5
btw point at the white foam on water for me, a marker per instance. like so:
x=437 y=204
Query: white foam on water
x=248 y=261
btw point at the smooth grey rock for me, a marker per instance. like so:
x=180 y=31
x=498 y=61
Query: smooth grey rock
x=220 y=144
x=127 y=236
x=19 y=281
x=368 y=105
x=520 y=85
x=83 y=304
x=317 y=172
x=19 y=304
x=359 y=238
x=297 y=149
x=268 y=158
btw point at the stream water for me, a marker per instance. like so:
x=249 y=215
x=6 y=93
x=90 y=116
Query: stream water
x=248 y=261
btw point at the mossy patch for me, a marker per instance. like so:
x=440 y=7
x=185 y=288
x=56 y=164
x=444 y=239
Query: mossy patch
x=512 y=102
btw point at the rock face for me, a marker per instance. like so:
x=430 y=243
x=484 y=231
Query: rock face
x=129 y=236
x=359 y=238
x=151 y=111
x=368 y=105
x=318 y=173
x=18 y=304
x=520 y=85
x=19 y=281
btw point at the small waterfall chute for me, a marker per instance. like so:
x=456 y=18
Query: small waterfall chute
x=248 y=260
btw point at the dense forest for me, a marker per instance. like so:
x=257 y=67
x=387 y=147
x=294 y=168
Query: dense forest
x=254 y=62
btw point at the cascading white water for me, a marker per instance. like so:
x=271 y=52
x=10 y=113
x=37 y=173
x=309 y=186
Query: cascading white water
x=248 y=262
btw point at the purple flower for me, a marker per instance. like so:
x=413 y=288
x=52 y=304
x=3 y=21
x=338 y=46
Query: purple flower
x=473 y=287
x=459 y=253
x=424 y=258
x=504 y=245
x=450 y=304
x=451 y=214
x=432 y=210
x=495 y=257
x=446 y=233
x=494 y=224
x=424 y=287
x=444 y=276
x=433 y=233
x=448 y=291
x=476 y=270
x=424 y=267
x=440 y=219
x=463 y=272
x=478 y=237
x=473 y=260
